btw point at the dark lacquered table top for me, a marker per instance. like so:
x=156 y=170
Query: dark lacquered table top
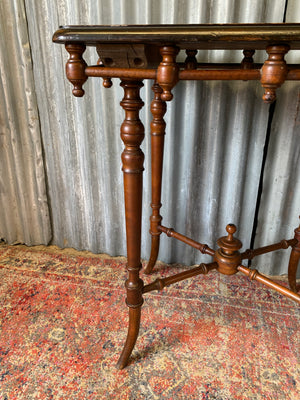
x=202 y=36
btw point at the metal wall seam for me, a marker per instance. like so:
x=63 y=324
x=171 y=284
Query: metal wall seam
x=280 y=202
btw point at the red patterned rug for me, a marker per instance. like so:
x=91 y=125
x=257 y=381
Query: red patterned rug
x=64 y=321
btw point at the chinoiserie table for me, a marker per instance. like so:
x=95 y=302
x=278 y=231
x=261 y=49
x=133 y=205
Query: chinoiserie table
x=135 y=53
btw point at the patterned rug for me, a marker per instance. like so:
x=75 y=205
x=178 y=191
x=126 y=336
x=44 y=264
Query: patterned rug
x=64 y=322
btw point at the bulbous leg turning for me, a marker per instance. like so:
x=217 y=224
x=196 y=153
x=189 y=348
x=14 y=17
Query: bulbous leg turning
x=132 y=134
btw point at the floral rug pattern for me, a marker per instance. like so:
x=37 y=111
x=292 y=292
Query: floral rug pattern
x=63 y=322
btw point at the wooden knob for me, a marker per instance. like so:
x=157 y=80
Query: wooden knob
x=231 y=229
x=228 y=256
x=229 y=244
x=75 y=68
x=107 y=82
x=274 y=71
x=168 y=71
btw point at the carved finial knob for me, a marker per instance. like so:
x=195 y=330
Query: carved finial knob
x=229 y=244
x=78 y=91
x=269 y=96
x=168 y=71
x=231 y=229
x=107 y=83
x=228 y=256
x=274 y=71
x=75 y=67
x=166 y=96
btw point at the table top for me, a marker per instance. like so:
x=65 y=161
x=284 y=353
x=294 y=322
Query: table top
x=201 y=36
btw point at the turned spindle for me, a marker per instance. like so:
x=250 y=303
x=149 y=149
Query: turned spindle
x=132 y=135
x=107 y=82
x=191 y=60
x=227 y=256
x=274 y=71
x=75 y=67
x=247 y=61
x=168 y=71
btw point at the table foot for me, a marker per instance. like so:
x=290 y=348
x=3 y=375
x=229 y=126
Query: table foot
x=133 y=331
x=294 y=261
x=153 y=255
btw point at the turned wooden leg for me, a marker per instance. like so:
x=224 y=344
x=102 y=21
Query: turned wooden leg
x=294 y=261
x=158 y=125
x=132 y=134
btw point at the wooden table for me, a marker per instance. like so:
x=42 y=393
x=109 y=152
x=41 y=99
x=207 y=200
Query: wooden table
x=135 y=53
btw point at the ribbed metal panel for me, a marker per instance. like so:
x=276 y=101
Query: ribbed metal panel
x=280 y=203
x=218 y=162
x=24 y=215
x=214 y=149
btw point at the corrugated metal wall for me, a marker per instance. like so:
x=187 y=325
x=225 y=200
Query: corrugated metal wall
x=280 y=202
x=220 y=124
x=24 y=214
